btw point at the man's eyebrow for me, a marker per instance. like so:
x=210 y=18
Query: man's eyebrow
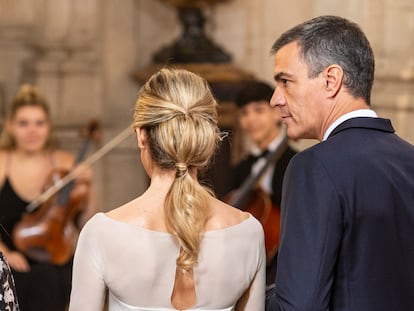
x=282 y=75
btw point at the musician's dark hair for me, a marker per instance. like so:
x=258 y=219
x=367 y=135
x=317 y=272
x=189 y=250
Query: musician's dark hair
x=252 y=91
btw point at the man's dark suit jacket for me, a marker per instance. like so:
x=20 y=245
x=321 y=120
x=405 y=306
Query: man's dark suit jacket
x=347 y=239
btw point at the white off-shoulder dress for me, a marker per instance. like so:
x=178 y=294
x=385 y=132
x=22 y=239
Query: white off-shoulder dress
x=137 y=266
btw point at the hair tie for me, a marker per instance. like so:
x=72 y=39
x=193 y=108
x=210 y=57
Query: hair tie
x=182 y=169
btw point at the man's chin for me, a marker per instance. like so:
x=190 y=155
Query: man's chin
x=292 y=134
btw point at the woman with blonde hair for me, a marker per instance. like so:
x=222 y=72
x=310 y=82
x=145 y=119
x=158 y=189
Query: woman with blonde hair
x=27 y=159
x=175 y=247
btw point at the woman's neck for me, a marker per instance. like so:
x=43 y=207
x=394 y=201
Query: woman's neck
x=160 y=183
x=25 y=155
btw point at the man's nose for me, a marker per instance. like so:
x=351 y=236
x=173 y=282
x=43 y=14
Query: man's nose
x=278 y=99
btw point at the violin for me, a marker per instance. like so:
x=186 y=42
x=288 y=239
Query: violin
x=47 y=232
x=252 y=198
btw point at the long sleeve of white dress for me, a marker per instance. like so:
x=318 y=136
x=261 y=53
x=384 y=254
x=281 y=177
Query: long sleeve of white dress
x=137 y=267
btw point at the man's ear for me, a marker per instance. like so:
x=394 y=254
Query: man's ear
x=141 y=137
x=333 y=75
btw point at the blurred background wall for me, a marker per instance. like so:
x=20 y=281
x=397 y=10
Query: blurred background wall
x=83 y=54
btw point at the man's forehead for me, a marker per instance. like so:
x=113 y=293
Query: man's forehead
x=288 y=60
x=287 y=52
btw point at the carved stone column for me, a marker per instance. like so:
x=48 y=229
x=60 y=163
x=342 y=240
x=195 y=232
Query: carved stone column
x=393 y=32
x=16 y=24
x=389 y=25
x=66 y=65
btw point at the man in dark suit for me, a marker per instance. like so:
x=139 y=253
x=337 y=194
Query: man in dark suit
x=261 y=126
x=347 y=240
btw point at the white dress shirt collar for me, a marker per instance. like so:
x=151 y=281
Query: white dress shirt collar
x=353 y=114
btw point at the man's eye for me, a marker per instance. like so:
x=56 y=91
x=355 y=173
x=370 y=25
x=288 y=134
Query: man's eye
x=284 y=81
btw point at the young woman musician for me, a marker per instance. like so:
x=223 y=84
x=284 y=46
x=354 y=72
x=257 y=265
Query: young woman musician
x=27 y=160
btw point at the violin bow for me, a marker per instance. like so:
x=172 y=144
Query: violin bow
x=46 y=195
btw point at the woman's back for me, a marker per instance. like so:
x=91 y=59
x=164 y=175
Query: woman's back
x=138 y=265
x=175 y=246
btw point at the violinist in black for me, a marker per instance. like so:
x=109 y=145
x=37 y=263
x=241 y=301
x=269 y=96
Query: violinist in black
x=261 y=127
x=27 y=160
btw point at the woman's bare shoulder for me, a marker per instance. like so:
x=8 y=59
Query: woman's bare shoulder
x=63 y=159
x=119 y=213
x=141 y=213
x=224 y=215
x=130 y=212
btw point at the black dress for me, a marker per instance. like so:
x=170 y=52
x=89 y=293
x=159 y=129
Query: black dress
x=46 y=287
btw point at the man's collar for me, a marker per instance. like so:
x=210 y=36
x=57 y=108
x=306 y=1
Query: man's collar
x=353 y=114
